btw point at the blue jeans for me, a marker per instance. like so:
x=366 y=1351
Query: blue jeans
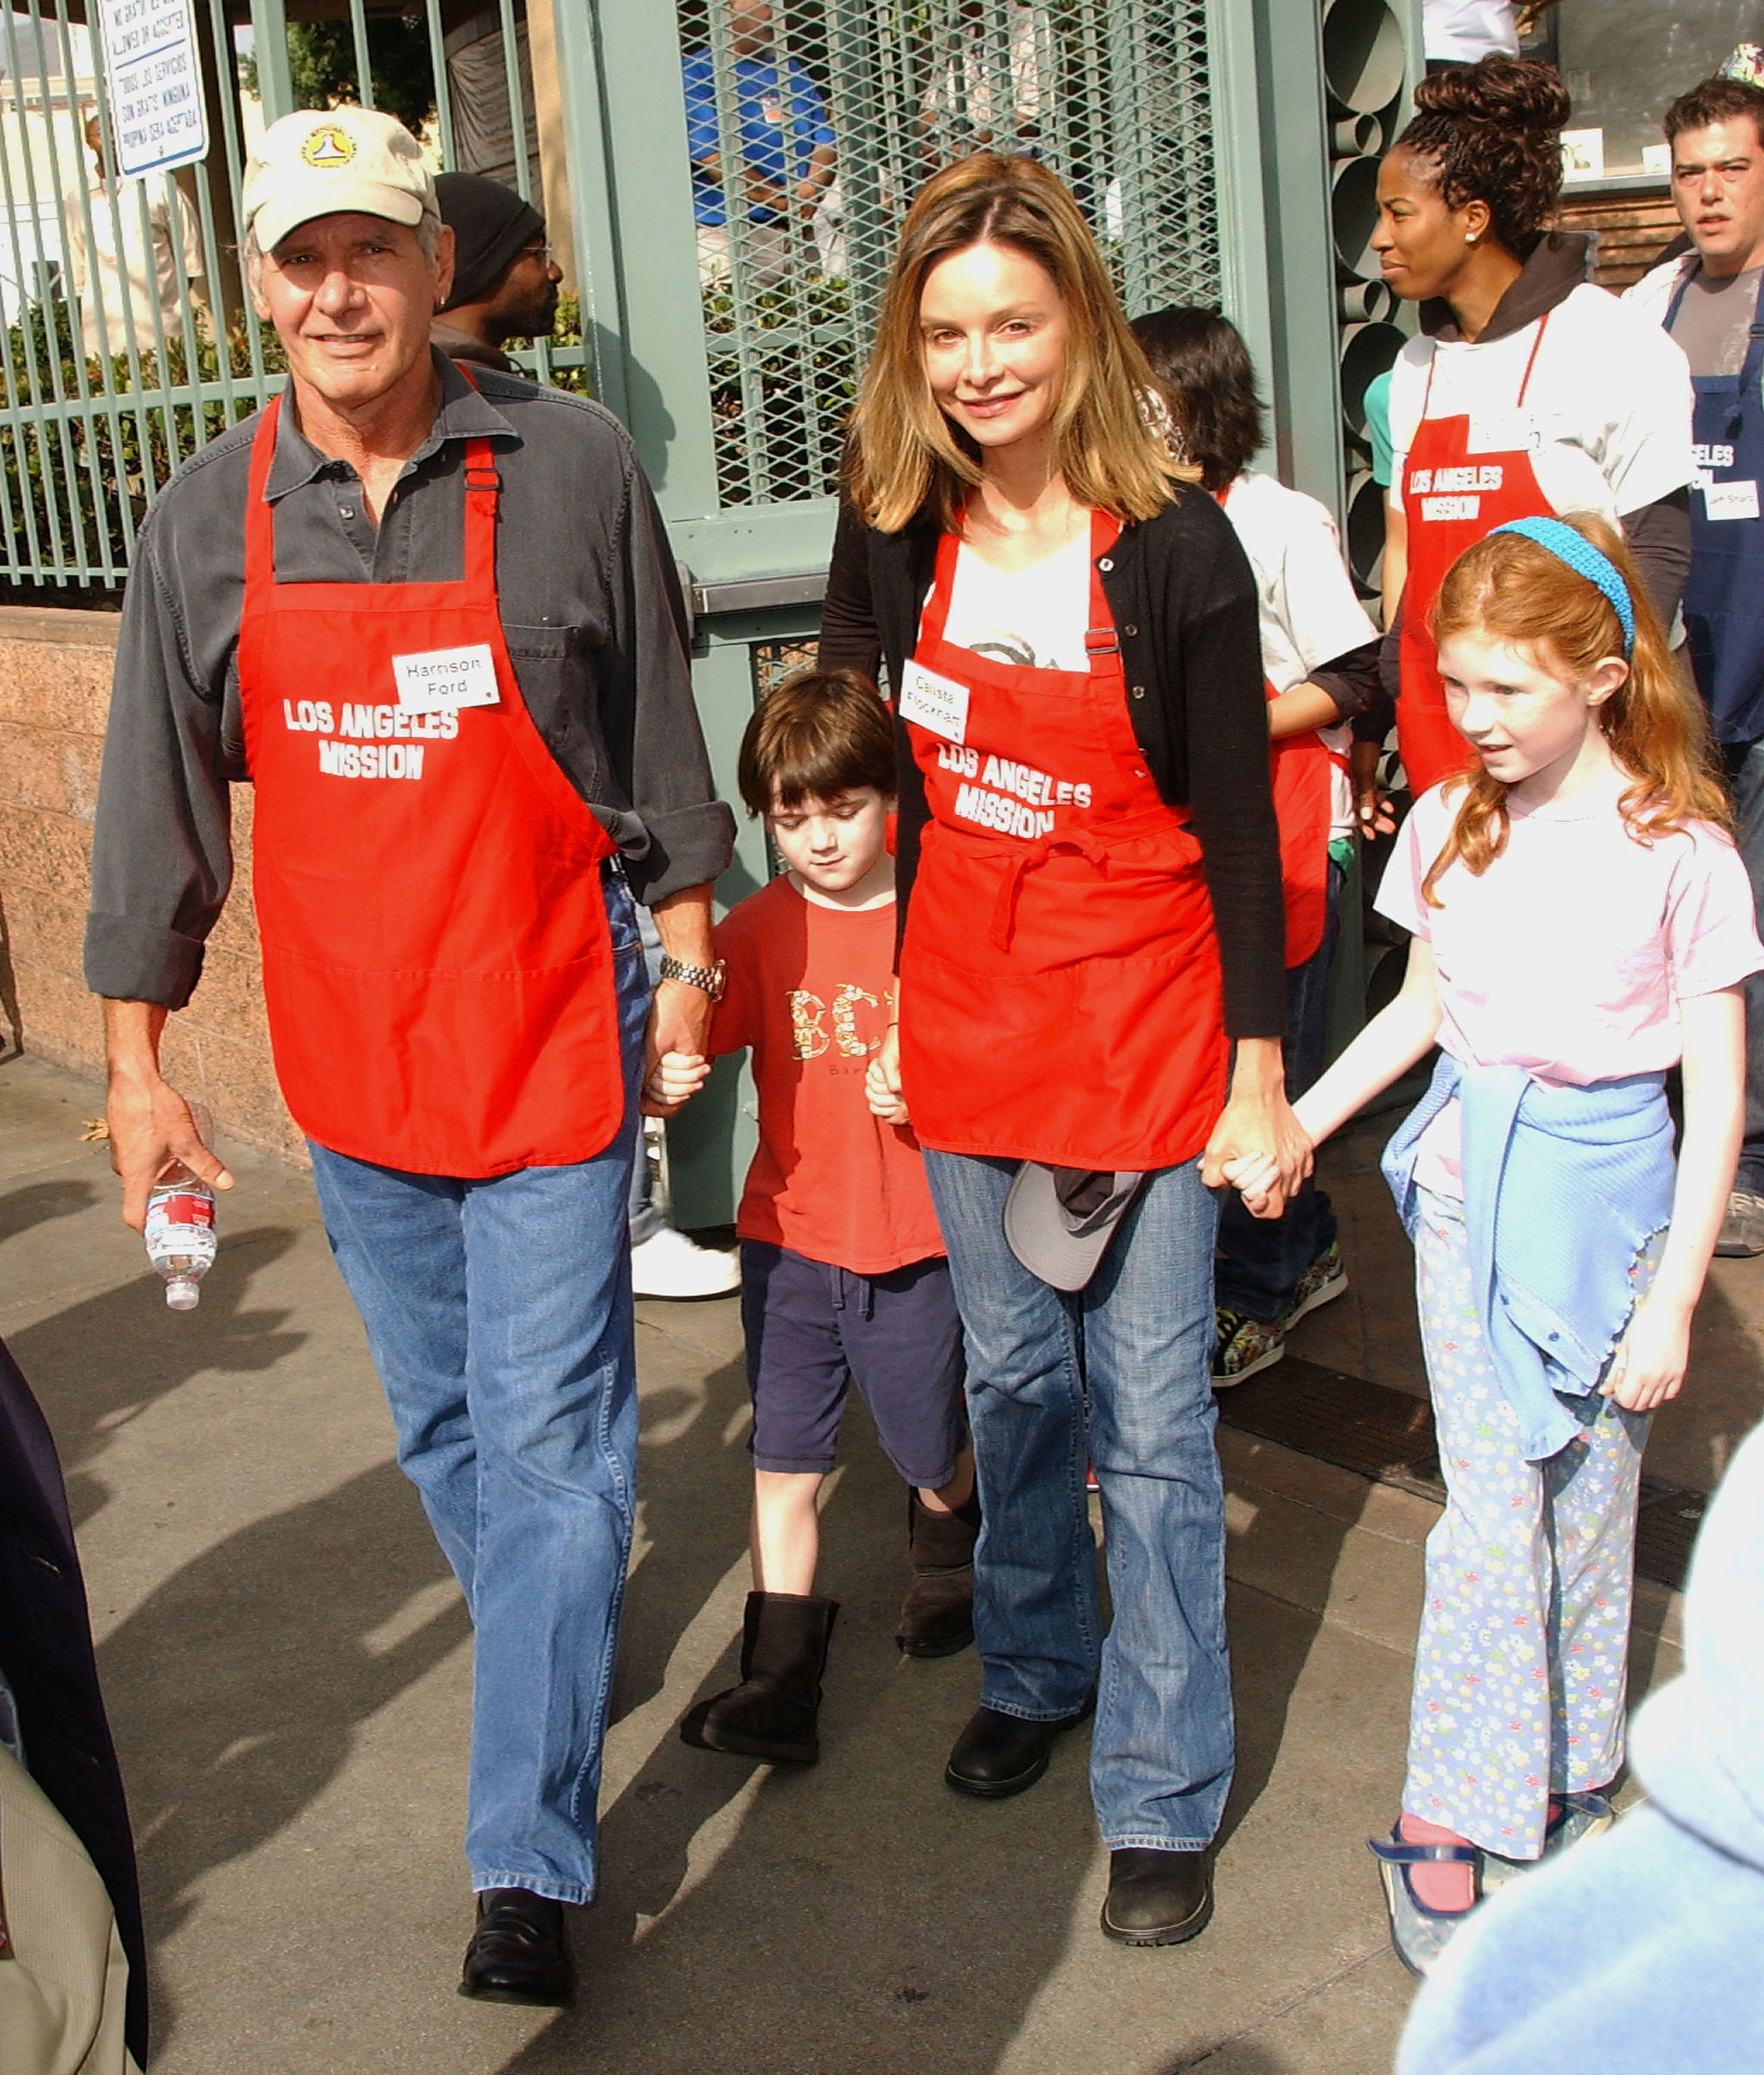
x=498 y=1314
x=1745 y=768
x=1119 y=1370
x=1261 y=1259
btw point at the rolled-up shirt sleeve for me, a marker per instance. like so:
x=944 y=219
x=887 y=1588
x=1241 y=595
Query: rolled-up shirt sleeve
x=649 y=717
x=162 y=854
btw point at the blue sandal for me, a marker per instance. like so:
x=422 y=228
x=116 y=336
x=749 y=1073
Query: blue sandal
x=1580 y=1816
x=1420 y=1935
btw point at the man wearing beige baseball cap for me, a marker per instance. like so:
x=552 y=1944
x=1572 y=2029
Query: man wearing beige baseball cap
x=432 y=616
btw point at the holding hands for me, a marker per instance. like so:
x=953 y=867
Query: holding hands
x=882 y=1081
x=675 y=1077
x=672 y=1080
x=1256 y=1176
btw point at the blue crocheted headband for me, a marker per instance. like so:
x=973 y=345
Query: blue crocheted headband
x=1579 y=552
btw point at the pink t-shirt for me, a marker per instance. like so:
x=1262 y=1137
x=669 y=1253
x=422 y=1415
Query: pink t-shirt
x=1570 y=955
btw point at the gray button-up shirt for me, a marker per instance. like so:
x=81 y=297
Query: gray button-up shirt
x=589 y=606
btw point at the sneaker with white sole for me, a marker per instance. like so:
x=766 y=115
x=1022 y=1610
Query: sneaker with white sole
x=1244 y=1347
x=672 y=1266
x=1741 y=1235
x=1321 y=1283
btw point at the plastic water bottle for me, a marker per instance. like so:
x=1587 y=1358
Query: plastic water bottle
x=180 y=1230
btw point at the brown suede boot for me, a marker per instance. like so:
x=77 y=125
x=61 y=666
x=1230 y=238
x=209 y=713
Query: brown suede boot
x=937 y=1615
x=771 y=1714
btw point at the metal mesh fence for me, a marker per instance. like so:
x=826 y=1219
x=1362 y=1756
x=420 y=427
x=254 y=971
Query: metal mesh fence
x=811 y=123
x=128 y=337
x=128 y=340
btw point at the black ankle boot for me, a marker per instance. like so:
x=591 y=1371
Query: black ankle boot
x=771 y=1714
x=937 y=1615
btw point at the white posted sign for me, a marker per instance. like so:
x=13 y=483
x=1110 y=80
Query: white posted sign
x=155 y=78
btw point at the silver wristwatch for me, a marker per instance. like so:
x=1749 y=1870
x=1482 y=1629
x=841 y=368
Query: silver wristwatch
x=709 y=979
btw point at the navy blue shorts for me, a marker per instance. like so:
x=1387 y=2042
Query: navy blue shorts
x=813 y=1331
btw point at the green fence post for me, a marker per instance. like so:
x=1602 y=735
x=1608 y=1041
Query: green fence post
x=269 y=42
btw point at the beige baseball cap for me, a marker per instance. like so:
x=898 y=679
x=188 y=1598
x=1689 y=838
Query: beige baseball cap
x=323 y=161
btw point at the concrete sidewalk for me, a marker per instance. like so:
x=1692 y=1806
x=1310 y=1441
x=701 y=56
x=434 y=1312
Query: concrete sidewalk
x=288 y=1666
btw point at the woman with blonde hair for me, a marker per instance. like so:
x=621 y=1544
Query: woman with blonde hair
x=1089 y=877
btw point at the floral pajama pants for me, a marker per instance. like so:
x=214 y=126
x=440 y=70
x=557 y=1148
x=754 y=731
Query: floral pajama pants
x=1522 y=1658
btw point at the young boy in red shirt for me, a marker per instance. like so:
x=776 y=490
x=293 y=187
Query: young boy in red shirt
x=843 y=1274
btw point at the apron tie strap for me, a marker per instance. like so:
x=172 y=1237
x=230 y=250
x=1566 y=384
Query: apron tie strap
x=1005 y=908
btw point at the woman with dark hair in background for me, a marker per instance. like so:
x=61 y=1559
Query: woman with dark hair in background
x=1319 y=660
x=1529 y=392
x=1089 y=875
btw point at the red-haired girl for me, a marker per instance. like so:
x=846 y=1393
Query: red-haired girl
x=1582 y=923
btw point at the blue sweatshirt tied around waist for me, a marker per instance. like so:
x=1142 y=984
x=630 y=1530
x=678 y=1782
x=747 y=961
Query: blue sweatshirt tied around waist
x=1563 y=1188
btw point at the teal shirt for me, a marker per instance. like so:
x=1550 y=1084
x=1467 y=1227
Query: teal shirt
x=1377 y=409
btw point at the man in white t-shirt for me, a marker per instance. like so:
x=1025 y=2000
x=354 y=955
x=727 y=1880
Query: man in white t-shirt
x=1708 y=301
x=137 y=261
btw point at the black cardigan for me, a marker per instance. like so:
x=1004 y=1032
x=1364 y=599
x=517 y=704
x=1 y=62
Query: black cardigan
x=1183 y=599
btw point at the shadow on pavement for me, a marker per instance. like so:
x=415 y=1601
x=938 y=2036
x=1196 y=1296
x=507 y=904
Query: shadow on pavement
x=38 y=1201
x=104 y=1360
x=237 y=1687
x=856 y=1914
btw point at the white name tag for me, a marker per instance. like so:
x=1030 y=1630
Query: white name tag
x=1730 y=500
x=444 y=680
x=938 y=705
x=1501 y=431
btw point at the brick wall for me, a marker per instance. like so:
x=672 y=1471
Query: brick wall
x=55 y=690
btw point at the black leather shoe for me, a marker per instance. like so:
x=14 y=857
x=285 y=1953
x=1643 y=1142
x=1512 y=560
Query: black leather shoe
x=999 y=1754
x=519 y=1953
x=1158 y=1898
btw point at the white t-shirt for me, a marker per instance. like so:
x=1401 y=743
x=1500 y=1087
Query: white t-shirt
x=1037 y=616
x=1464 y=30
x=1570 y=955
x=1607 y=412
x=1309 y=610
x=156 y=261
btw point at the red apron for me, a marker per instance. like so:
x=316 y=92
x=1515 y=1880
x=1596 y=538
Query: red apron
x=1060 y=981
x=1452 y=495
x=1303 y=768
x=436 y=963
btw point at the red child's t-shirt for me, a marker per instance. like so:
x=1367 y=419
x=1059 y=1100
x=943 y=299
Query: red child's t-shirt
x=809 y=991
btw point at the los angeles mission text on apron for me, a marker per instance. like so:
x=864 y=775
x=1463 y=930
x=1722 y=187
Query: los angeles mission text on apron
x=437 y=967
x=1059 y=982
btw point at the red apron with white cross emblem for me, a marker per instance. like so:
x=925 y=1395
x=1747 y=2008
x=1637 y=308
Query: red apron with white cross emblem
x=1060 y=994
x=1452 y=498
x=437 y=963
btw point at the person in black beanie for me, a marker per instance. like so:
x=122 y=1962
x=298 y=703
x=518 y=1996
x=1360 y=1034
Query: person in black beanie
x=505 y=280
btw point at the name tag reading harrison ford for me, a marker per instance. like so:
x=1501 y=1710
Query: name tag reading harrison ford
x=443 y=680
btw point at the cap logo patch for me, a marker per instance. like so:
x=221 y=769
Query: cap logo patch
x=328 y=147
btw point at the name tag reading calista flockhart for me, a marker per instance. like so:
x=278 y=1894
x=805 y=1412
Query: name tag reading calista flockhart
x=444 y=680
x=938 y=705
